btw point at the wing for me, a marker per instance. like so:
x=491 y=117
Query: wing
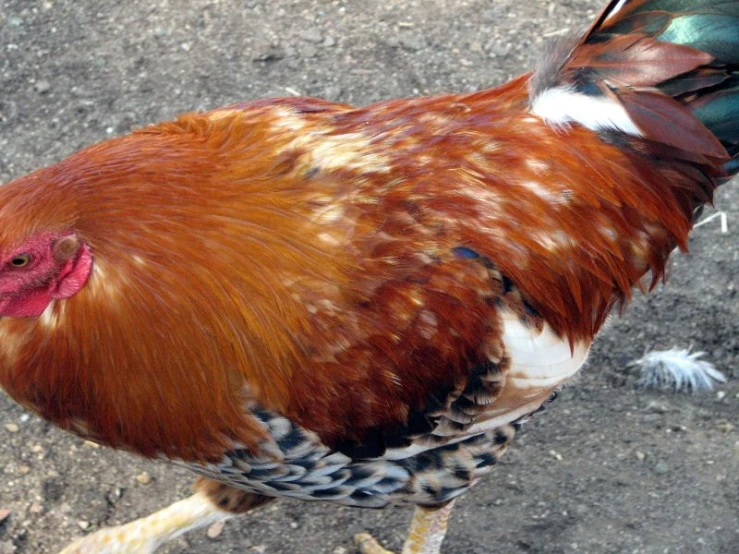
x=416 y=397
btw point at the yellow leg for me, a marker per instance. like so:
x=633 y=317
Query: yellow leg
x=213 y=502
x=146 y=534
x=425 y=536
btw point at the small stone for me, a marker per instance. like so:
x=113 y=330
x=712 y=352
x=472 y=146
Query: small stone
x=582 y=510
x=143 y=478
x=311 y=35
x=340 y=550
x=215 y=530
x=329 y=41
x=84 y=525
x=293 y=525
x=640 y=455
x=271 y=54
x=90 y=444
x=331 y=92
x=309 y=51
x=492 y=16
x=43 y=86
x=556 y=455
x=661 y=468
x=496 y=49
x=392 y=42
x=657 y=408
x=412 y=43
x=720 y=395
x=36 y=509
x=726 y=427
x=259 y=549
x=12 y=427
x=37 y=449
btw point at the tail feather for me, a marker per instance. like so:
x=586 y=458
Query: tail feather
x=719 y=112
x=663 y=71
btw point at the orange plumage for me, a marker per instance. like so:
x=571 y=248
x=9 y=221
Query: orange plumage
x=356 y=271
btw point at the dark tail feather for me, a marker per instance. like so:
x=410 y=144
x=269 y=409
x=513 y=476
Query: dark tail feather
x=718 y=110
x=674 y=67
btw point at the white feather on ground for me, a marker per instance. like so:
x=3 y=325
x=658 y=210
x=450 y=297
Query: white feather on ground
x=678 y=369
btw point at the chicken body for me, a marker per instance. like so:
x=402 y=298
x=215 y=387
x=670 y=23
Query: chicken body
x=361 y=308
x=358 y=305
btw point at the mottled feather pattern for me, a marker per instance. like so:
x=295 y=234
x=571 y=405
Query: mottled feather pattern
x=294 y=463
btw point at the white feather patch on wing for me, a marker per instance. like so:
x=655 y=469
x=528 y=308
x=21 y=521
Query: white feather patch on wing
x=561 y=106
x=540 y=362
x=539 y=359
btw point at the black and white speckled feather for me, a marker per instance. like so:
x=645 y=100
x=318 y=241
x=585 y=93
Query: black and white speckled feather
x=296 y=464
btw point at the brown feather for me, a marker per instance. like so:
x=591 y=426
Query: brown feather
x=658 y=116
x=638 y=60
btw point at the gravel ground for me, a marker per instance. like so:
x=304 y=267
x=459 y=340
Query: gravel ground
x=609 y=469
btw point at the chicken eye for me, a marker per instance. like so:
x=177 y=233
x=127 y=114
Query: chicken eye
x=21 y=260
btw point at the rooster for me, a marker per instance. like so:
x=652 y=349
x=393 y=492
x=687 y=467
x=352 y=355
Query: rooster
x=303 y=299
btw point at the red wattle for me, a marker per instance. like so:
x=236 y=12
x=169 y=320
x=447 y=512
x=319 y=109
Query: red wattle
x=28 y=303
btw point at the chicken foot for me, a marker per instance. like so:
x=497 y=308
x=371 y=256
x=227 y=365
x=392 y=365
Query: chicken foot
x=425 y=536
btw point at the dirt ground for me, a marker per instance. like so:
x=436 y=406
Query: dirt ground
x=608 y=470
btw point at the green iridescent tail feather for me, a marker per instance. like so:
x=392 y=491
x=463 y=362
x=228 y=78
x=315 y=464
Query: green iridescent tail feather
x=718 y=110
x=677 y=34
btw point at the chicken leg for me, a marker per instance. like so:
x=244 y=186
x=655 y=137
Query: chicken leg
x=425 y=536
x=213 y=502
